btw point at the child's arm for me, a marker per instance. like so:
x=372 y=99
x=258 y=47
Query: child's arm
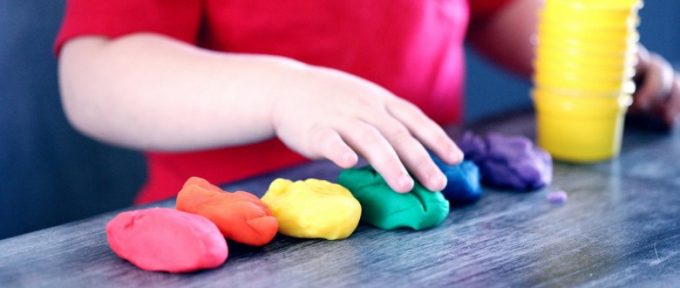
x=506 y=36
x=151 y=92
x=507 y=39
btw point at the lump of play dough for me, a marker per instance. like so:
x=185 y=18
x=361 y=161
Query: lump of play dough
x=240 y=216
x=512 y=162
x=557 y=197
x=313 y=208
x=463 y=183
x=162 y=239
x=387 y=209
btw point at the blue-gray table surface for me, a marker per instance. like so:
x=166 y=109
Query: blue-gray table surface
x=620 y=227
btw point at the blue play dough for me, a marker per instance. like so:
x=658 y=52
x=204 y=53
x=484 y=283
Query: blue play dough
x=463 y=185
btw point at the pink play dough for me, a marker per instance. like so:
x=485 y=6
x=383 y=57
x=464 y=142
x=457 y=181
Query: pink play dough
x=162 y=239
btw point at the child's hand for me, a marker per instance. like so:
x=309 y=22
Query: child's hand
x=337 y=116
x=318 y=112
x=658 y=93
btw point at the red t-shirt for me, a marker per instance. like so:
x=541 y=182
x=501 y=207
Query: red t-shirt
x=414 y=48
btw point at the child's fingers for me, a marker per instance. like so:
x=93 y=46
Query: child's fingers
x=370 y=143
x=411 y=152
x=329 y=144
x=425 y=130
x=672 y=112
x=657 y=77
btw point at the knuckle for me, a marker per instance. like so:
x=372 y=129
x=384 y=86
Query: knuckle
x=435 y=136
x=318 y=135
x=423 y=162
x=369 y=135
x=322 y=139
x=407 y=107
x=390 y=165
x=442 y=140
x=415 y=110
x=399 y=133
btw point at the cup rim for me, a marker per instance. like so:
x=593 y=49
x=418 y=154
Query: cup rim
x=596 y=50
x=601 y=5
x=614 y=81
x=585 y=60
x=550 y=93
x=627 y=88
x=628 y=72
x=591 y=17
x=589 y=32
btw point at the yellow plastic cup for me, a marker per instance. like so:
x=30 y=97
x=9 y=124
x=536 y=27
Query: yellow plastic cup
x=585 y=21
x=556 y=58
x=595 y=53
x=571 y=68
x=591 y=65
x=628 y=87
x=618 y=32
x=607 y=86
x=571 y=48
x=582 y=129
x=594 y=5
x=570 y=62
x=614 y=47
x=583 y=56
x=547 y=78
x=578 y=29
x=588 y=36
x=584 y=72
x=569 y=59
x=589 y=14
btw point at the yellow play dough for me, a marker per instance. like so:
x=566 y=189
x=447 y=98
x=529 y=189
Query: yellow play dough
x=313 y=208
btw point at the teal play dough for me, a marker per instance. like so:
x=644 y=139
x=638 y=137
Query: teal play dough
x=386 y=209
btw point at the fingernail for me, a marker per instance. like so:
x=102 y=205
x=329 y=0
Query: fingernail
x=348 y=159
x=456 y=156
x=405 y=183
x=437 y=181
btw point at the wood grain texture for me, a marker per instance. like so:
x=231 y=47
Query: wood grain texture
x=620 y=228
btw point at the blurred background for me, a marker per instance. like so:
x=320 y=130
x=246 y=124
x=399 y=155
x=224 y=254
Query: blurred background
x=49 y=174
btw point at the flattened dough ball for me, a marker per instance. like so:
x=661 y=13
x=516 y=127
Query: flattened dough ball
x=313 y=208
x=387 y=209
x=508 y=162
x=463 y=184
x=162 y=239
x=240 y=216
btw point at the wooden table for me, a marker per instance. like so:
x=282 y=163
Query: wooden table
x=621 y=227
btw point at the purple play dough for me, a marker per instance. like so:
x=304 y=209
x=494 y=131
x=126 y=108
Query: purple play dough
x=512 y=162
x=557 y=197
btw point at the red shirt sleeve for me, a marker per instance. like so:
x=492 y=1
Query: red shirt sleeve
x=179 y=19
x=481 y=10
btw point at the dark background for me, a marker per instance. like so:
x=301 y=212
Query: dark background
x=49 y=174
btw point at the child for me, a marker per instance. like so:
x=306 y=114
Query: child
x=222 y=89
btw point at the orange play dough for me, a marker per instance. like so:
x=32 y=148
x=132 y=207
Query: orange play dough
x=240 y=216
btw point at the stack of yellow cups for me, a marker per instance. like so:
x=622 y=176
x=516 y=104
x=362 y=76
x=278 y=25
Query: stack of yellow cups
x=585 y=61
